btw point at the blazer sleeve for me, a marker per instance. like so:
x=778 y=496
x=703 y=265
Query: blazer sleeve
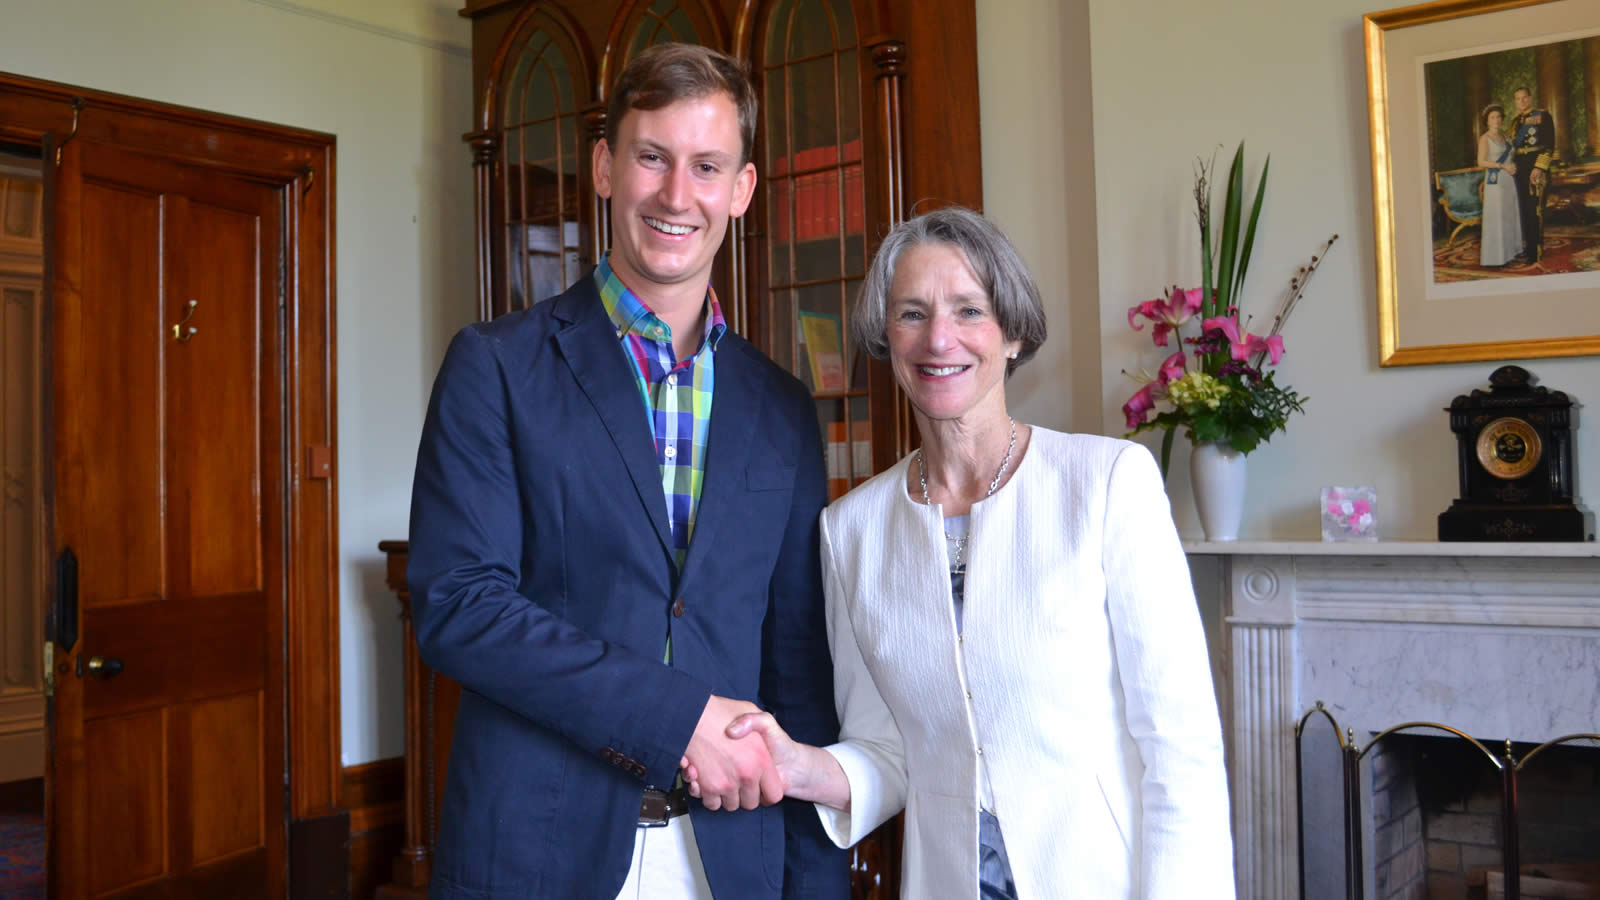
x=796 y=675
x=870 y=750
x=1166 y=683
x=475 y=626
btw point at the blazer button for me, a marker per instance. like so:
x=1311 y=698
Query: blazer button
x=677 y=609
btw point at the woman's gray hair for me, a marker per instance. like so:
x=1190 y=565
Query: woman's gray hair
x=1000 y=271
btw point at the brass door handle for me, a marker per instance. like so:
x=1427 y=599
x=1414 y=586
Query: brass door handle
x=100 y=667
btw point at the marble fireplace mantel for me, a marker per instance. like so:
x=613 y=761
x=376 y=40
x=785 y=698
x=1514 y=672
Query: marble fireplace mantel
x=1500 y=640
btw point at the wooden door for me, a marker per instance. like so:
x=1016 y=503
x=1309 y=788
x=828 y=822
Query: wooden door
x=167 y=774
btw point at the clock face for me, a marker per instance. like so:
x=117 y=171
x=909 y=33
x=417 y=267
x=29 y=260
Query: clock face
x=1509 y=448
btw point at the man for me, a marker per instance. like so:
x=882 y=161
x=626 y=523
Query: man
x=614 y=547
x=1533 y=134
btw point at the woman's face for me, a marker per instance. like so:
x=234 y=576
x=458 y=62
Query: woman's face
x=1494 y=119
x=945 y=344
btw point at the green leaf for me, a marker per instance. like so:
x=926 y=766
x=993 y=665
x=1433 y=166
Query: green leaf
x=1166 y=453
x=1228 y=240
x=1250 y=229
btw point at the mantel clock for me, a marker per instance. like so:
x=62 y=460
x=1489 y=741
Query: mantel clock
x=1514 y=452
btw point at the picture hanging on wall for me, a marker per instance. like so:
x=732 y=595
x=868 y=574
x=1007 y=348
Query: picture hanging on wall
x=1485 y=130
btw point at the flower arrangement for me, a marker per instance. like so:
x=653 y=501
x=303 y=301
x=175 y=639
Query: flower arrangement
x=1217 y=386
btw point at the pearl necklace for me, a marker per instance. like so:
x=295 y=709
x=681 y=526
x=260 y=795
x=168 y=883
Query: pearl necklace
x=959 y=563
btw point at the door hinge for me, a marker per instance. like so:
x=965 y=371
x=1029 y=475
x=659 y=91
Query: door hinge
x=49 y=669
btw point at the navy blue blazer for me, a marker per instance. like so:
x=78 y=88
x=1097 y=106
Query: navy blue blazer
x=542 y=579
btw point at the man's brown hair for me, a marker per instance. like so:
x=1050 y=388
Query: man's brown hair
x=666 y=73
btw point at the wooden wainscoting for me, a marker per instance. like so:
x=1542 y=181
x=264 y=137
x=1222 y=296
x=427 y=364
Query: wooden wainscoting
x=373 y=793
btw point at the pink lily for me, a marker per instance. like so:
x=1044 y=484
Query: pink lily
x=1141 y=403
x=1144 y=400
x=1243 y=346
x=1179 y=307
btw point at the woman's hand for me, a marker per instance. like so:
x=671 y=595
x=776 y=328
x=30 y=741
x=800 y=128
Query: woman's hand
x=804 y=772
x=1510 y=168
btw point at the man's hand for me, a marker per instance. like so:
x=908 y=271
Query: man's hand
x=1536 y=176
x=729 y=773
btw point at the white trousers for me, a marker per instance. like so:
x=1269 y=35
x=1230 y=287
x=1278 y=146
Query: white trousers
x=666 y=865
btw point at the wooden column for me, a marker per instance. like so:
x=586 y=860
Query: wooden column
x=412 y=865
x=485 y=157
x=894 y=431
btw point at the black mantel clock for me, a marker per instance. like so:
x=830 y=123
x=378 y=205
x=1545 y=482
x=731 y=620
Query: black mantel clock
x=1514 y=450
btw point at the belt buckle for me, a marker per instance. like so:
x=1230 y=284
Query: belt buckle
x=653 y=809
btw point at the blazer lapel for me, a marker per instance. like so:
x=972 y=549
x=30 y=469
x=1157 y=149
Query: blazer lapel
x=735 y=418
x=590 y=347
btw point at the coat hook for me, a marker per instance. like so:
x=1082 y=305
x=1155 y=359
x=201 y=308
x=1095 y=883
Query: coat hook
x=77 y=107
x=182 y=333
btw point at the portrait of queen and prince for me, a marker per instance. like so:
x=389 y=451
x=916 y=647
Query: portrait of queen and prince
x=1512 y=145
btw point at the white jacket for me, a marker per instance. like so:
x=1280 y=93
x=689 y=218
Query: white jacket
x=1081 y=678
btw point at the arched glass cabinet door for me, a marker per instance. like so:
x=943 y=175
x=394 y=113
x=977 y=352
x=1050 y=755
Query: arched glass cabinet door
x=644 y=23
x=815 y=217
x=542 y=187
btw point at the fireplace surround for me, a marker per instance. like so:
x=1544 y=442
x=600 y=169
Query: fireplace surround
x=1500 y=641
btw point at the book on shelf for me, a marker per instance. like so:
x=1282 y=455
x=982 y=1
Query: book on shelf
x=810 y=180
x=824 y=346
x=838 y=460
x=860 y=451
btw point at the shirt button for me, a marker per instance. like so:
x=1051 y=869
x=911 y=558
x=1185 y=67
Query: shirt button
x=672 y=380
x=619 y=332
x=658 y=331
x=670 y=452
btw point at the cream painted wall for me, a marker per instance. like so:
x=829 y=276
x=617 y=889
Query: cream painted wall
x=1176 y=80
x=392 y=80
x=1039 y=186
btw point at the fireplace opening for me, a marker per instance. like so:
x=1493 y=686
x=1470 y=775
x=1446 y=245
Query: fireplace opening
x=1431 y=818
x=1439 y=819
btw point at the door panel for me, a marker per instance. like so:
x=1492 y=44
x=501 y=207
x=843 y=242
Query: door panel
x=224 y=753
x=127 y=787
x=169 y=772
x=108 y=438
x=214 y=437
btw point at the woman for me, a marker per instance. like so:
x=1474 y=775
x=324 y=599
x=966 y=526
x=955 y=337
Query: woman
x=1018 y=658
x=1502 y=220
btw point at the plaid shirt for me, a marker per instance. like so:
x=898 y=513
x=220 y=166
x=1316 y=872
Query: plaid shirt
x=676 y=395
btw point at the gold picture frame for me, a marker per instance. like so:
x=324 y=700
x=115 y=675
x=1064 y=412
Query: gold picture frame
x=1435 y=305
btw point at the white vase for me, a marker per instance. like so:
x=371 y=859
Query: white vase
x=1217 y=473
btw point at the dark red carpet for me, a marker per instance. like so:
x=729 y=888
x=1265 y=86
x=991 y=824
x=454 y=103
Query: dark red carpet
x=21 y=856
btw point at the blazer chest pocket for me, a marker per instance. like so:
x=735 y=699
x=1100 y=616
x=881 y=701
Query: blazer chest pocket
x=769 y=476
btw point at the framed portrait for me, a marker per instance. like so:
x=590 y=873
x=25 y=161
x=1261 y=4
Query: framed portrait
x=1485 y=119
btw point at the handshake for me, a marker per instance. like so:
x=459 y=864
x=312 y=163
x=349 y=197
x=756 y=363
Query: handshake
x=739 y=758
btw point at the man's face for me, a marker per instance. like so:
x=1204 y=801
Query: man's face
x=1524 y=101
x=673 y=179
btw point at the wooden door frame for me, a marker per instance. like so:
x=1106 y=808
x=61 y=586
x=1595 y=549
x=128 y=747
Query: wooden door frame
x=300 y=162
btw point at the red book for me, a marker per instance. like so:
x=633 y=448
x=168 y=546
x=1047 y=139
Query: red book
x=855 y=201
x=852 y=150
x=830 y=203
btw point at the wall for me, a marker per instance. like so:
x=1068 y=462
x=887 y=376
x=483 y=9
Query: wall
x=1172 y=81
x=1039 y=186
x=392 y=81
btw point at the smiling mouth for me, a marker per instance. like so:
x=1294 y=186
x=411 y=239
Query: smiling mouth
x=940 y=371
x=668 y=227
